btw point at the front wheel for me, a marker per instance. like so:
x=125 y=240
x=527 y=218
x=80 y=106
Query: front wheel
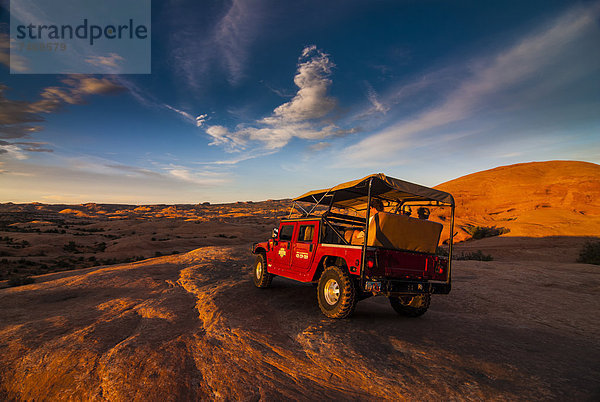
x=262 y=279
x=336 y=293
x=411 y=306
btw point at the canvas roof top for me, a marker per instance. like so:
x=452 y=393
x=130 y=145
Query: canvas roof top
x=353 y=194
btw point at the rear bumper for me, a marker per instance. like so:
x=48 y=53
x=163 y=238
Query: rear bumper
x=391 y=287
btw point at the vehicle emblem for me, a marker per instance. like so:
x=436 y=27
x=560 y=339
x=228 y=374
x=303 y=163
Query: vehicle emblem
x=282 y=252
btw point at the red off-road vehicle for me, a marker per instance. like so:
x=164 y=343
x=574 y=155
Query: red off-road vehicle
x=322 y=241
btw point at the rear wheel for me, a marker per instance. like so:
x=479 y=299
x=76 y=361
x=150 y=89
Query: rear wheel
x=262 y=279
x=411 y=306
x=336 y=293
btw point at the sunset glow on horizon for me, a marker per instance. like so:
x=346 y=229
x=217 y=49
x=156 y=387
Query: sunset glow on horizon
x=256 y=100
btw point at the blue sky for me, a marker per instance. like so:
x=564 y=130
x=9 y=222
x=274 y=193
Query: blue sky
x=252 y=100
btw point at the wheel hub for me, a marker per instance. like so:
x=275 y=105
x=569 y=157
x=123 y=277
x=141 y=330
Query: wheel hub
x=331 y=292
x=259 y=270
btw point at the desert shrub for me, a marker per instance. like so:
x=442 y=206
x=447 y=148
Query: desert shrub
x=225 y=236
x=479 y=232
x=20 y=280
x=476 y=255
x=590 y=253
x=71 y=247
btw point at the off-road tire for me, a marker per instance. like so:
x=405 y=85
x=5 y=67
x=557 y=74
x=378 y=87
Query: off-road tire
x=336 y=293
x=411 y=306
x=262 y=279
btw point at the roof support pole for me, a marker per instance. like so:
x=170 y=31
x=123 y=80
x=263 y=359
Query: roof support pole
x=363 y=263
x=451 y=242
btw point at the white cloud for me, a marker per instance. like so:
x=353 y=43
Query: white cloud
x=311 y=100
x=112 y=60
x=13 y=151
x=488 y=78
x=200 y=120
x=302 y=117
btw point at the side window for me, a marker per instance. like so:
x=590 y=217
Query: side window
x=306 y=233
x=286 y=232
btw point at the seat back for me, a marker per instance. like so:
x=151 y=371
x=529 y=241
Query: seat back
x=396 y=231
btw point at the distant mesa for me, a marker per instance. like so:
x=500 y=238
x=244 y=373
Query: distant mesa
x=75 y=212
x=530 y=199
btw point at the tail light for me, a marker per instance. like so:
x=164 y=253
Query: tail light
x=440 y=266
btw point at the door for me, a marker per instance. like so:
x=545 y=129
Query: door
x=303 y=247
x=283 y=249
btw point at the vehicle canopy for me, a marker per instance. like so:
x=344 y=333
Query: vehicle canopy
x=355 y=194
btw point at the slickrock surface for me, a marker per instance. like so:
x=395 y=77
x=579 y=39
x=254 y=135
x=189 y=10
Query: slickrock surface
x=192 y=326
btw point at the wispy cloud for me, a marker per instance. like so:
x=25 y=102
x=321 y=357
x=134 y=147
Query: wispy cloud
x=302 y=117
x=14 y=61
x=185 y=114
x=378 y=106
x=160 y=173
x=489 y=78
x=319 y=146
x=133 y=170
x=235 y=161
x=34 y=146
x=150 y=101
x=201 y=178
x=223 y=44
x=234 y=33
x=21 y=119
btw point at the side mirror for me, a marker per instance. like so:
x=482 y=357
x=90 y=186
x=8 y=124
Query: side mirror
x=275 y=233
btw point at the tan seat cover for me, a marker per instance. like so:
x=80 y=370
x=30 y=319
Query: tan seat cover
x=402 y=232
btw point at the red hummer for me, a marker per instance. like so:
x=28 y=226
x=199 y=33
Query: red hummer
x=323 y=242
